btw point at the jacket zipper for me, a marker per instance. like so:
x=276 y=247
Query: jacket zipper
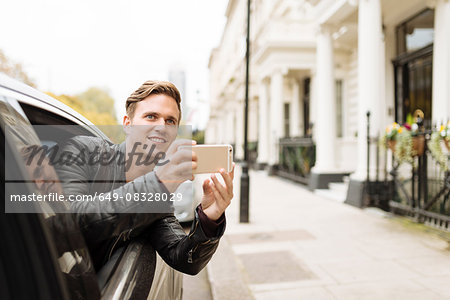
x=190 y=253
x=195 y=228
x=190 y=256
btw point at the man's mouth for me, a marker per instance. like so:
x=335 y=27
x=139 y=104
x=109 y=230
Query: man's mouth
x=156 y=139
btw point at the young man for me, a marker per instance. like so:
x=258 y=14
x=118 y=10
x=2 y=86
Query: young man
x=151 y=123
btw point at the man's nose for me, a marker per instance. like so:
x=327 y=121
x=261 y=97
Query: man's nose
x=160 y=121
x=160 y=125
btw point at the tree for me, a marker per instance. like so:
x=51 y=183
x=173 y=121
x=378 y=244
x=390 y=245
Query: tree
x=71 y=101
x=199 y=136
x=14 y=70
x=96 y=105
x=99 y=100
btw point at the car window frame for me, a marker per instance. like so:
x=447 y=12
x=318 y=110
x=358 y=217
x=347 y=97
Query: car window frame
x=27 y=254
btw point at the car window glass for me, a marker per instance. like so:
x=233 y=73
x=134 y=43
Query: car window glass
x=12 y=118
x=73 y=256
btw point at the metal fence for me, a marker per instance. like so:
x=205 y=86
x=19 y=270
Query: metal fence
x=420 y=190
x=424 y=195
x=296 y=158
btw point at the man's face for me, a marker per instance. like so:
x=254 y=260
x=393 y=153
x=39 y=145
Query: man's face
x=155 y=122
x=44 y=176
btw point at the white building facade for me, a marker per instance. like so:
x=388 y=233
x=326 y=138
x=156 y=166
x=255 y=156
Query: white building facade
x=318 y=66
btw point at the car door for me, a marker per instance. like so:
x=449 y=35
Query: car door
x=28 y=268
x=65 y=244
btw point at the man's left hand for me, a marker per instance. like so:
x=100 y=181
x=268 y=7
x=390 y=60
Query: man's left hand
x=217 y=196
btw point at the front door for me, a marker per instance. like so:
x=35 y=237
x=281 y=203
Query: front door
x=413 y=67
x=414 y=86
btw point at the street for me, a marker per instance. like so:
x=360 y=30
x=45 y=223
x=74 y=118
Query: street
x=299 y=245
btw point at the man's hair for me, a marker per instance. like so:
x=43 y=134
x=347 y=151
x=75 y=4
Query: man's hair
x=152 y=87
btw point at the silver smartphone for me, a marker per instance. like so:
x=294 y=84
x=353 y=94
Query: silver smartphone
x=212 y=158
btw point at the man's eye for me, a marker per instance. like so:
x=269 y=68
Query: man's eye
x=171 y=122
x=151 y=117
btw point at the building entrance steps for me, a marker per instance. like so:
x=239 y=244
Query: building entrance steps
x=299 y=245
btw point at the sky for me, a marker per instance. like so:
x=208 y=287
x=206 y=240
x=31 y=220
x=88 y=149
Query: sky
x=69 y=46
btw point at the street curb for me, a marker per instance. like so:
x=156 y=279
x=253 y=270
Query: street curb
x=225 y=277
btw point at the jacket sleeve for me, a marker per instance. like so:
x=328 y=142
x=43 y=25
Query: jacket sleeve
x=99 y=217
x=187 y=253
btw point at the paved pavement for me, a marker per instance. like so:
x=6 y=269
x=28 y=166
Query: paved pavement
x=196 y=287
x=299 y=245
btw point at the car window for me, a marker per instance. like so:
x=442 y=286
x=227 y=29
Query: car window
x=72 y=254
x=27 y=262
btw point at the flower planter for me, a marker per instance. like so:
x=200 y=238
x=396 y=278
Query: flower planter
x=391 y=145
x=418 y=145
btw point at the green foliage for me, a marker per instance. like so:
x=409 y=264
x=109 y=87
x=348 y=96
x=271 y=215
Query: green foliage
x=98 y=100
x=404 y=147
x=435 y=145
x=403 y=137
x=297 y=160
x=252 y=146
x=436 y=150
x=199 y=136
x=410 y=119
x=97 y=106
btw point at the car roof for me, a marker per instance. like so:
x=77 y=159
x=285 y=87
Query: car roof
x=52 y=105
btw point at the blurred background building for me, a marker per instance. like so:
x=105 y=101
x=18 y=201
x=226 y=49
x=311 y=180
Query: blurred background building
x=317 y=67
x=177 y=76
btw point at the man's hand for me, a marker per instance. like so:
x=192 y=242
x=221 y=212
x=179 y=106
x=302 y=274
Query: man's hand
x=216 y=196
x=181 y=163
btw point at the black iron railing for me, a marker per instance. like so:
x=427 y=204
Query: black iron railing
x=424 y=195
x=420 y=190
x=252 y=153
x=297 y=157
x=379 y=187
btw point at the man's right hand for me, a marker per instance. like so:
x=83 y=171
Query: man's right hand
x=180 y=164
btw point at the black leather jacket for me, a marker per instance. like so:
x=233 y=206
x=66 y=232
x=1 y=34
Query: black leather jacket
x=105 y=224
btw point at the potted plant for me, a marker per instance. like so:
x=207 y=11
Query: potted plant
x=439 y=137
x=404 y=141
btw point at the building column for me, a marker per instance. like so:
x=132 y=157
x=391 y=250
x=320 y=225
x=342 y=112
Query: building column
x=225 y=132
x=263 y=126
x=276 y=114
x=370 y=64
x=229 y=126
x=219 y=129
x=325 y=133
x=295 y=110
x=210 y=131
x=441 y=63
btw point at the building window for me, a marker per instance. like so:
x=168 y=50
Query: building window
x=307 y=126
x=413 y=67
x=286 y=119
x=416 y=33
x=339 y=117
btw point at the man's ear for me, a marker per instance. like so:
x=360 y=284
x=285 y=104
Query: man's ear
x=126 y=120
x=126 y=123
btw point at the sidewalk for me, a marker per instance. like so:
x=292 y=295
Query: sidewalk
x=299 y=245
